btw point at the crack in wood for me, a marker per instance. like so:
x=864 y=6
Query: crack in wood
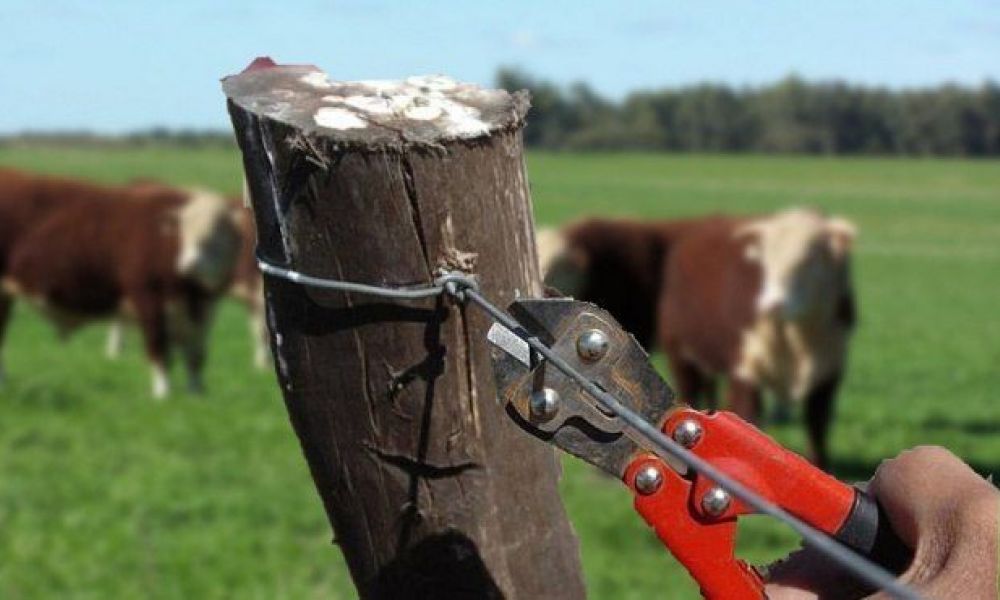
x=470 y=375
x=409 y=184
x=310 y=151
x=431 y=367
x=420 y=468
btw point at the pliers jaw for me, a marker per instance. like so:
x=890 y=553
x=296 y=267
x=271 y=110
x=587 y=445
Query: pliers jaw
x=547 y=404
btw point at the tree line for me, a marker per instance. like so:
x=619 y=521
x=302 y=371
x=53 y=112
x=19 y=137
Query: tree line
x=155 y=136
x=792 y=115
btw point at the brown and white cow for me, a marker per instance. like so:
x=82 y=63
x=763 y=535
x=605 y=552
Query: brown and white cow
x=161 y=258
x=247 y=286
x=765 y=302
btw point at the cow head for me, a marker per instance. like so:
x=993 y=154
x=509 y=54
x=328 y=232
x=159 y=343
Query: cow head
x=563 y=265
x=802 y=254
x=209 y=239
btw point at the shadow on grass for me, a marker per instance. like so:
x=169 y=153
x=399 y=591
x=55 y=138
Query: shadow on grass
x=969 y=427
x=40 y=396
x=855 y=470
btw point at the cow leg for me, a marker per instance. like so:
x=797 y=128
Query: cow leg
x=782 y=410
x=258 y=334
x=115 y=342
x=711 y=393
x=6 y=303
x=191 y=327
x=692 y=385
x=819 y=410
x=745 y=399
x=153 y=324
x=194 y=356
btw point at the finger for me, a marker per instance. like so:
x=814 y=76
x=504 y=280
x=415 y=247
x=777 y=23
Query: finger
x=810 y=575
x=922 y=490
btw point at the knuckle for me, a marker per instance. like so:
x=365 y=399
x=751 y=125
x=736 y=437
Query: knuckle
x=981 y=499
x=923 y=457
x=913 y=465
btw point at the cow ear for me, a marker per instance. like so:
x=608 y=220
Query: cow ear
x=749 y=235
x=750 y=230
x=550 y=246
x=247 y=203
x=841 y=234
x=562 y=264
x=238 y=215
x=554 y=248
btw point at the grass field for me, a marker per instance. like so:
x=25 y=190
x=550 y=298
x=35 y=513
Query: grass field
x=106 y=494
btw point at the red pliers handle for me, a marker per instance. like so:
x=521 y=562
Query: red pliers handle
x=696 y=519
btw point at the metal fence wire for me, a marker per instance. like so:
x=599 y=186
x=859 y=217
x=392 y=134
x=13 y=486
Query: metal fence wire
x=464 y=288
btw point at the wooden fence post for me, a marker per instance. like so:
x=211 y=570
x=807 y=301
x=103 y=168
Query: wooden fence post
x=431 y=492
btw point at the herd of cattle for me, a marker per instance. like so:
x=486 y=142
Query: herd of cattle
x=145 y=252
x=764 y=303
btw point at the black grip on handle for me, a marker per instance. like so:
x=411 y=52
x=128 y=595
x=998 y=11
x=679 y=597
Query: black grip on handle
x=867 y=530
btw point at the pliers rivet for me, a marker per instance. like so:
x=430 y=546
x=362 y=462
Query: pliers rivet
x=592 y=345
x=544 y=404
x=715 y=502
x=648 y=480
x=687 y=433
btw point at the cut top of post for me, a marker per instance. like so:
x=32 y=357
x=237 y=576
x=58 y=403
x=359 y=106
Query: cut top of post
x=428 y=109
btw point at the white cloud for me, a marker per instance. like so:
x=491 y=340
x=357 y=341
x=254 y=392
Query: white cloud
x=524 y=39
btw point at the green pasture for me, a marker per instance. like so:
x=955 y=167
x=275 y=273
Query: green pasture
x=107 y=494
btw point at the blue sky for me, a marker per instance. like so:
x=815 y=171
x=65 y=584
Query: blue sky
x=117 y=65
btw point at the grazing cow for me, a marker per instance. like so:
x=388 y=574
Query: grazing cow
x=247 y=286
x=764 y=302
x=159 y=257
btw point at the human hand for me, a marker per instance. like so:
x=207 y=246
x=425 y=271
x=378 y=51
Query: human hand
x=939 y=507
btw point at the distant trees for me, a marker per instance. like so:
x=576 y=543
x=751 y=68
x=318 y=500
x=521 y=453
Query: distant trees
x=792 y=115
x=156 y=136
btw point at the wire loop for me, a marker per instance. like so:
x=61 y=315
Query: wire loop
x=451 y=283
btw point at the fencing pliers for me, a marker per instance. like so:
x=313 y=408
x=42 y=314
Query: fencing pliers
x=693 y=516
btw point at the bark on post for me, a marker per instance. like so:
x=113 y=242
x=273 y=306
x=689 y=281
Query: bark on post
x=431 y=492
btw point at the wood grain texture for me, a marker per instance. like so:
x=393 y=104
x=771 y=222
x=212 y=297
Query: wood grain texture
x=431 y=491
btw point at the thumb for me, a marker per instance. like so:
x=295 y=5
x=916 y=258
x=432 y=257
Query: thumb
x=949 y=515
